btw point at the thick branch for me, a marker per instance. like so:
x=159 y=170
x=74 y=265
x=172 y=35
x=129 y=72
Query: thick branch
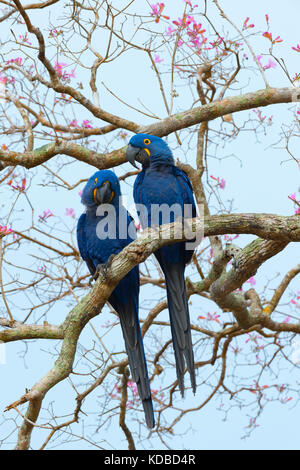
x=162 y=128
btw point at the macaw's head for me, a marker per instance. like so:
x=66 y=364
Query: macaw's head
x=148 y=150
x=102 y=188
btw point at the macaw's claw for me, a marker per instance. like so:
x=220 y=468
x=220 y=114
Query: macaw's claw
x=102 y=269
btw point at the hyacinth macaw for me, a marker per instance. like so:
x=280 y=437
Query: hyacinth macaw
x=97 y=251
x=161 y=182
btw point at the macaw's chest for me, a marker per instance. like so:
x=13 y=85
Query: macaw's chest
x=105 y=235
x=160 y=186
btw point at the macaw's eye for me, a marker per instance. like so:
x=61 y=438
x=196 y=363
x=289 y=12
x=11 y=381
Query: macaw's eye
x=95 y=180
x=147 y=142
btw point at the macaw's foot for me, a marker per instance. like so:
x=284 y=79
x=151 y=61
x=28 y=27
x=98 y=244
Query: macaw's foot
x=102 y=269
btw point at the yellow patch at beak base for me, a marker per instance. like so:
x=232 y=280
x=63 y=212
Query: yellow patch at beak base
x=147 y=151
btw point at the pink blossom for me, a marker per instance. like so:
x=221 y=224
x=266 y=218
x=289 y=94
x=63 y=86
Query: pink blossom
x=54 y=32
x=246 y=25
x=259 y=114
x=184 y=21
x=59 y=66
x=3 y=79
x=74 y=123
x=221 y=182
x=70 y=212
x=46 y=215
x=213 y=317
x=188 y=2
x=4 y=231
x=217 y=42
x=296 y=77
x=269 y=36
x=269 y=65
x=157 y=10
x=87 y=124
x=24 y=38
x=297 y=48
x=17 y=61
x=158 y=59
x=251 y=281
x=17 y=186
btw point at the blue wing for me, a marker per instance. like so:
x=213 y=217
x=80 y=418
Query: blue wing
x=82 y=242
x=186 y=189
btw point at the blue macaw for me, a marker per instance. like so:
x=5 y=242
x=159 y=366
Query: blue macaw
x=97 y=251
x=161 y=182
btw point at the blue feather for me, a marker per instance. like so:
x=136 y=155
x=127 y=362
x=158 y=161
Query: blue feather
x=161 y=182
x=96 y=249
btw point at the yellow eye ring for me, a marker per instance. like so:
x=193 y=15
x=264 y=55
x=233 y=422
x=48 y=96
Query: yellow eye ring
x=147 y=142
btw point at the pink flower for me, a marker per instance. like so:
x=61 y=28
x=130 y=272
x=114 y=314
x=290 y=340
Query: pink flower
x=24 y=38
x=87 y=124
x=246 y=25
x=54 y=32
x=188 y=2
x=251 y=281
x=158 y=59
x=46 y=215
x=259 y=114
x=170 y=31
x=3 y=79
x=217 y=42
x=157 y=10
x=18 y=187
x=59 y=66
x=17 y=61
x=184 y=21
x=268 y=35
x=70 y=212
x=270 y=64
x=221 y=182
x=297 y=48
x=4 y=231
x=293 y=196
x=74 y=123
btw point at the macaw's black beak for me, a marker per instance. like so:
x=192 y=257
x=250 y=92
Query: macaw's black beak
x=104 y=194
x=137 y=154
